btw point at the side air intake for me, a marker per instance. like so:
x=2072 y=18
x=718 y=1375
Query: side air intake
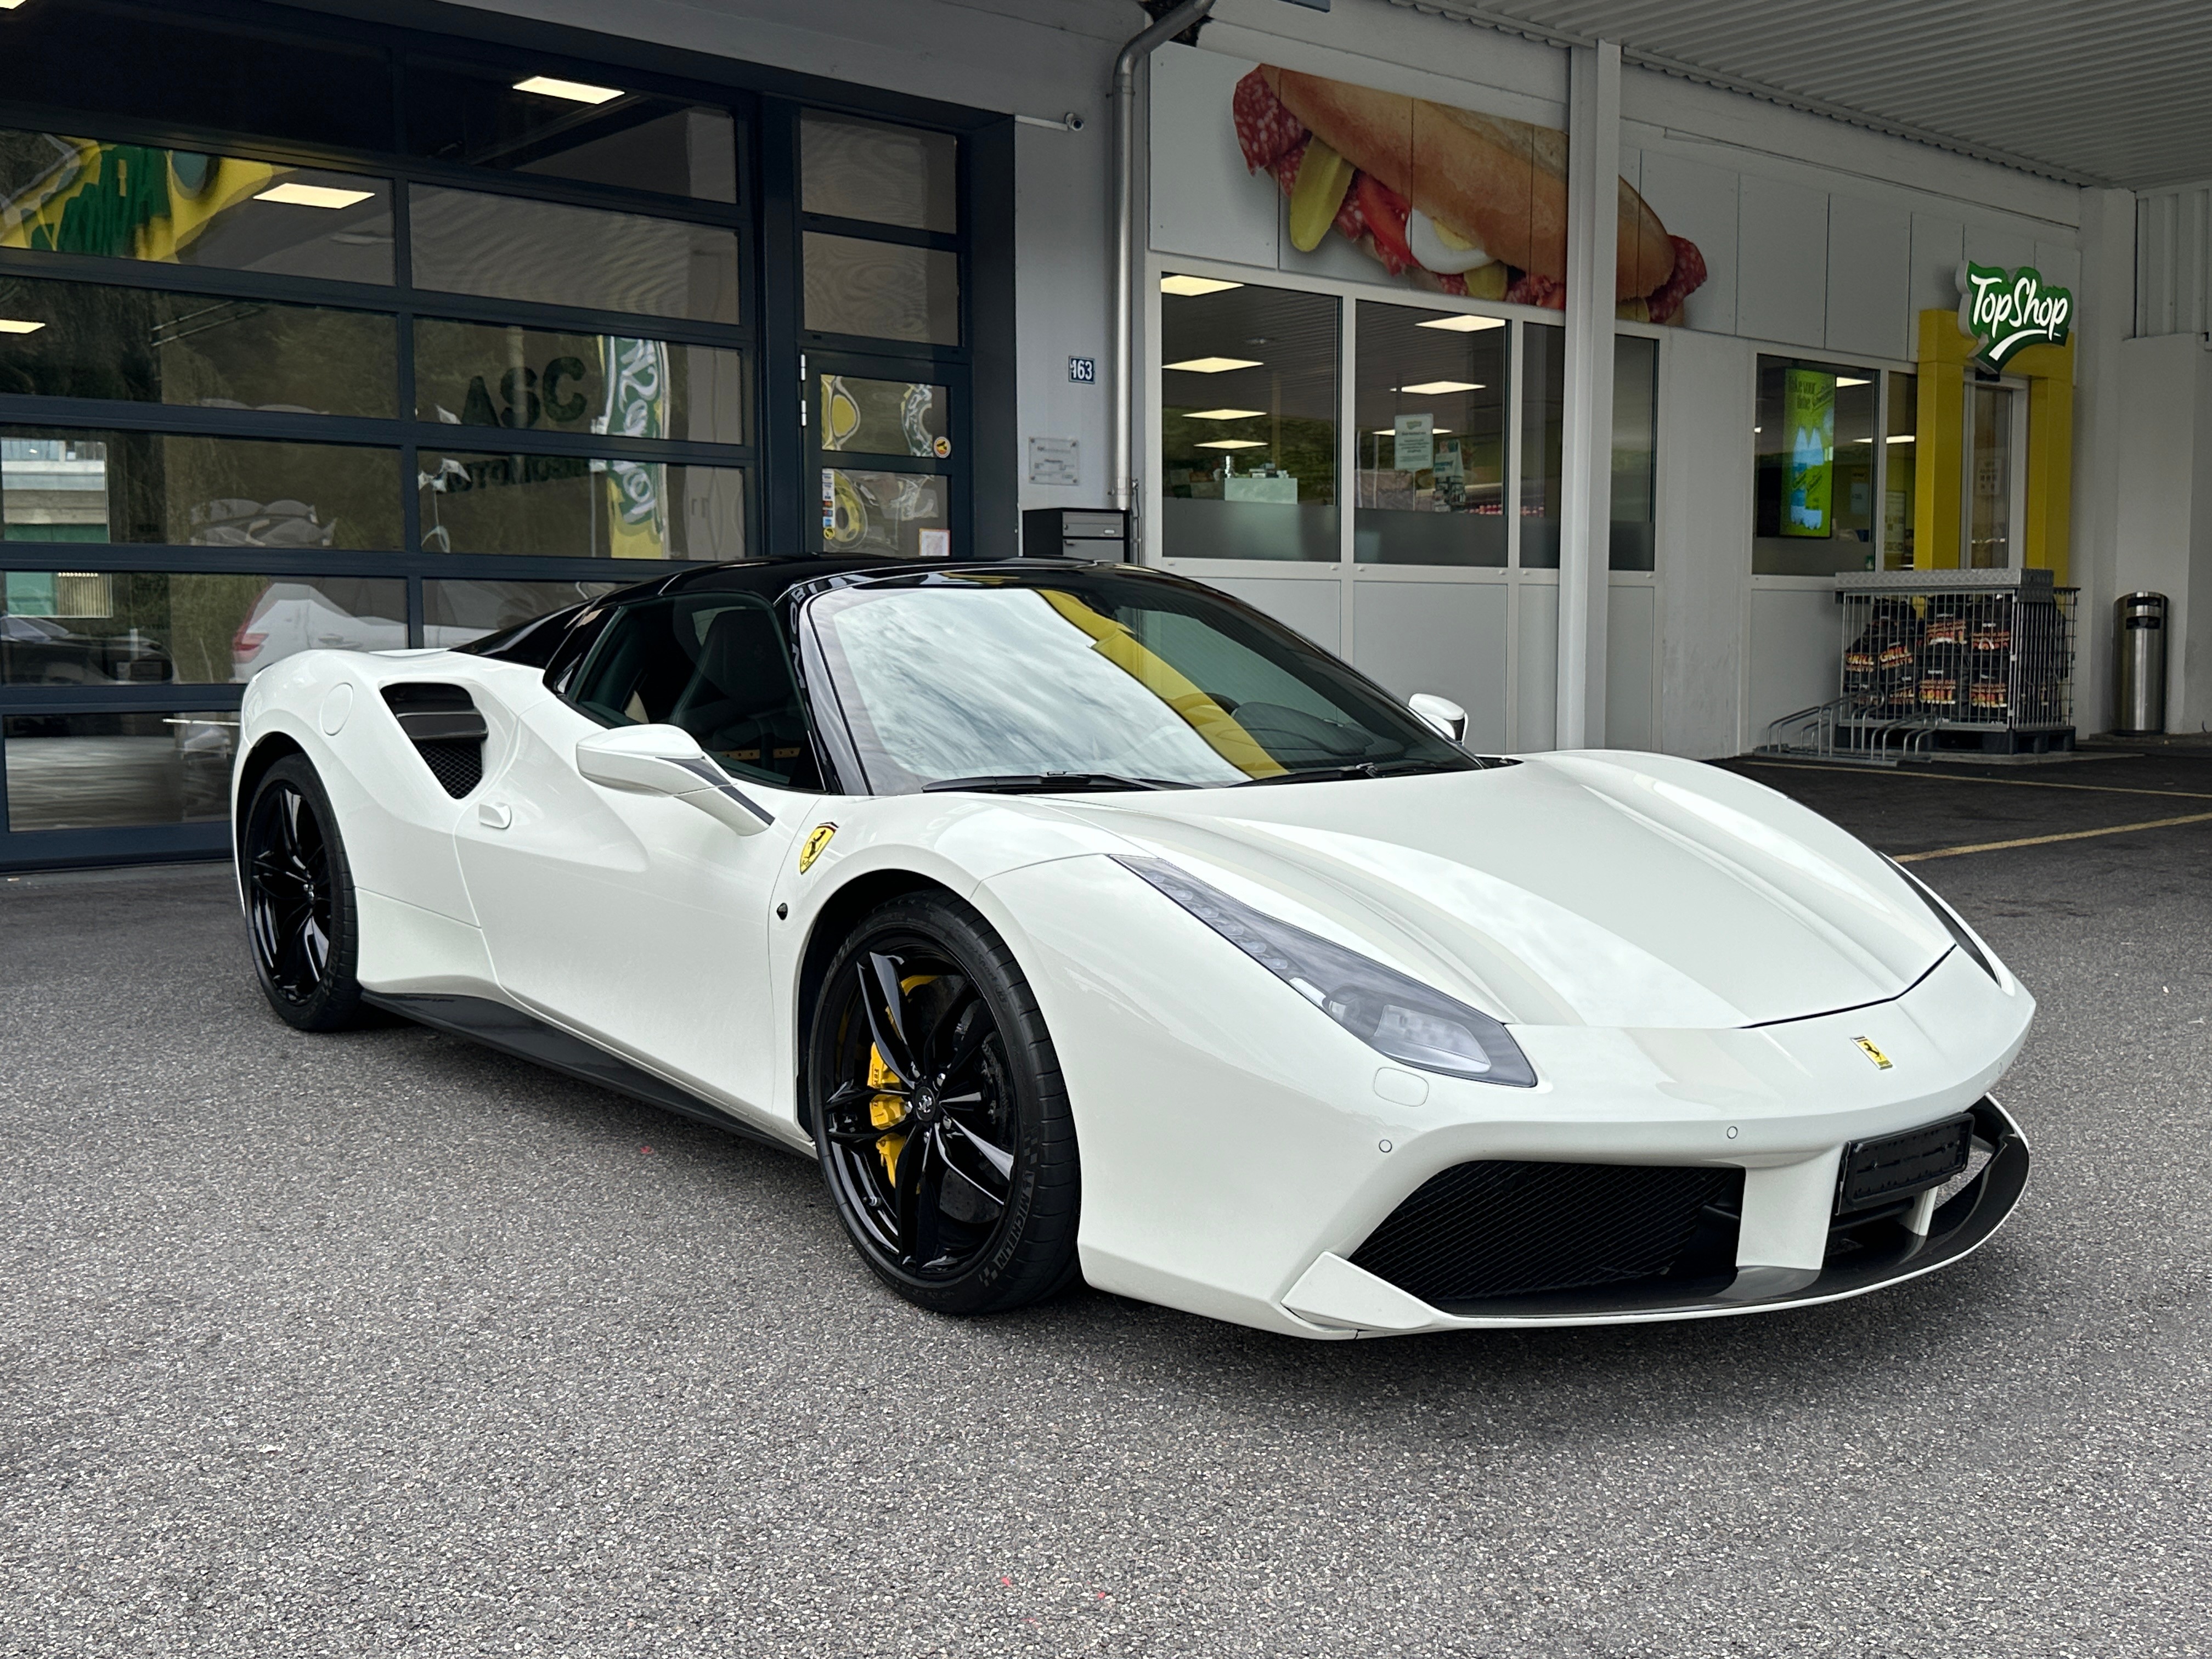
x=448 y=732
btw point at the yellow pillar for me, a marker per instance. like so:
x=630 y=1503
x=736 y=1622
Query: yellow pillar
x=1939 y=442
x=2050 y=371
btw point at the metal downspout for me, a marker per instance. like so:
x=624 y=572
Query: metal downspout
x=1125 y=378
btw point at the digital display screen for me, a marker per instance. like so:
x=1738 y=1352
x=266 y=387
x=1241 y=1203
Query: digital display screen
x=1809 y=404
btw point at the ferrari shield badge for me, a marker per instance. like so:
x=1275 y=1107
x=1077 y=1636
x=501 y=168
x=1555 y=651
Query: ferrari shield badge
x=818 y=837
x=1866 y=1044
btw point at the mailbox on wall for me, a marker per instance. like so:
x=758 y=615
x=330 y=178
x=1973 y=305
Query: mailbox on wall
x=1071 y=532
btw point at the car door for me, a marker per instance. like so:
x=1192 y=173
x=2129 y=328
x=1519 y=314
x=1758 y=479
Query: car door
x=636 y=919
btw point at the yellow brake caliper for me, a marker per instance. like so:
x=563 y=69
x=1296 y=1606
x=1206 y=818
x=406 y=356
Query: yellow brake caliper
x=886 y=1111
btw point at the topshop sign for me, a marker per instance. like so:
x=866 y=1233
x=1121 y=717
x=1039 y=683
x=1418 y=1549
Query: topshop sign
x=2006 y=310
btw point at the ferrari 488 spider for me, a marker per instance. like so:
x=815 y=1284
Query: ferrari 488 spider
x=1080 y=921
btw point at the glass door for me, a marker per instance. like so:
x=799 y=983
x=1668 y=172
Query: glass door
x=884 y=449
x=1995 y=484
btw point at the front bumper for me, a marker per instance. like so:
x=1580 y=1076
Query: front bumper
x=1863 y=1253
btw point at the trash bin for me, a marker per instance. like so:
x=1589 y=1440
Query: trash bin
x=2139 y=662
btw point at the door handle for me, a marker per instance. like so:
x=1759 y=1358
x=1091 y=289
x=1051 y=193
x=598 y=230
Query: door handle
x=494 y=814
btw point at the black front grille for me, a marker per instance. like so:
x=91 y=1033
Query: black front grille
x=457 y=763
x=1480 y=1231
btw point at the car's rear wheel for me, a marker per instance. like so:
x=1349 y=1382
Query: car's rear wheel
x=300 y=910
x=940 y=1113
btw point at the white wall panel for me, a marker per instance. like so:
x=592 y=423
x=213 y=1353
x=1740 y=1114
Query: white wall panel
x=1938 y=244
x=1869 y=275
x=1204 y=202
x=1536 y=667
x=2061 y=264
x=1782 y=262
x=1311 y=607
x=1632 y=621
x=1999 y=245
x=1699 y=202
x=1705 y=540
x=1796 y=653
x=1446 y=637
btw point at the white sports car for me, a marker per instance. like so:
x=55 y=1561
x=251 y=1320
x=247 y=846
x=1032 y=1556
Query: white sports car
x=1079 y=920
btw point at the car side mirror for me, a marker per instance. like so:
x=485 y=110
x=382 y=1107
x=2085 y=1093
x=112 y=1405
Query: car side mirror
x=1448 y=719
x=666 y=760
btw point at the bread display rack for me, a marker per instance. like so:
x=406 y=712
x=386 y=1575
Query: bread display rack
x=1944 y=661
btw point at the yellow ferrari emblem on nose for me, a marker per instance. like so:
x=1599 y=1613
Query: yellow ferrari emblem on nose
x=1867 y=1044
x=818 y=837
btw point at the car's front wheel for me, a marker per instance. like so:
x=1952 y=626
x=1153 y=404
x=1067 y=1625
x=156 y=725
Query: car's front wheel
x=300 y=910
x=940 y=1113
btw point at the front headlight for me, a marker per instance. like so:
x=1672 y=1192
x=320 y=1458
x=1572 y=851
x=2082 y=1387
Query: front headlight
x=1390 y=1012
x=1951 y=924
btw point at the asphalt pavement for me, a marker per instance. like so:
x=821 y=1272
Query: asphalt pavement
x=381 y=1343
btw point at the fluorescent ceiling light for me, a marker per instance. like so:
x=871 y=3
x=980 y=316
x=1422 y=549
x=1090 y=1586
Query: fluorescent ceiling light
x=1392 y=432
x=1213 y=365
x=576 y=92
x=16 y=324
x=1224 y=414
x=1191 y=286
x=314 y=196
x=9 y=5
x=1846 y=379
x=1900 y=437
x=1439 y=388
x=1233 y=443
x=1463 y=324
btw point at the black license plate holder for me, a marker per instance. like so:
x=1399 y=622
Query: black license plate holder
x=1889 y=1167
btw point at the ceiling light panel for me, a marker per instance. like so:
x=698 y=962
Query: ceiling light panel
x=1439 y=388
x=1213 y=365
x=1463 y=324
x=16 y=324
x=1191 y=286
x=1224 y=414
x=1232 y=443
x=314 y=196
x=576 y=92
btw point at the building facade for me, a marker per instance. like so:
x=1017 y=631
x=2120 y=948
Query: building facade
x=386 y=327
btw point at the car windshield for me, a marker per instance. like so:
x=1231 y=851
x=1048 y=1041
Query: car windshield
x=1097 y=679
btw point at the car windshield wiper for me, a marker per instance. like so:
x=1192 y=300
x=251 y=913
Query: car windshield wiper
x=1381 y=768
x=1049 y=783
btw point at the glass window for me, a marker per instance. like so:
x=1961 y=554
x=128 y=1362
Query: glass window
x=715 y=664
x=890 y=175
x=1543 y=437
x=506 y=248
x=1814 y=438
x=1431 y=402
x=1247 y=424
x=1900 y=442
x=180 y=207
x=103 y=771
x=1989 y=418
x=1123 y=675
x=562 y=128
x=96 y=628
x=163 y=63
x=141 y=345
x=456 y=613
x=571 y=508
x=909 y=514
x=886 y=291
x=528 y=378
x=882 y=417
x=151 y=486
x=1635 y=450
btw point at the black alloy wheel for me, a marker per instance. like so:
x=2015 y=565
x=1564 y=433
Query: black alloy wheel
x=940 y=1113
x=300 y=906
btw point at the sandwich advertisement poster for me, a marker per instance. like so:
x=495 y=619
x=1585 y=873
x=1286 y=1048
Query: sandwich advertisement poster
x=1439 y=198
x=1808 y=401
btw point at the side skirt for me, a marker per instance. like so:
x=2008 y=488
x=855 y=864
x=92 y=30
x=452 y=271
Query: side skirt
x=511 y=1031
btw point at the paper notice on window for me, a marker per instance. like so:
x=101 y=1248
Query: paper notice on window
x=1053 y=461
x=1416 y=436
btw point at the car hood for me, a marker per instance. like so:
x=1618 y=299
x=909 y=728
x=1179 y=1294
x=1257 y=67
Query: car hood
x=1578 y=888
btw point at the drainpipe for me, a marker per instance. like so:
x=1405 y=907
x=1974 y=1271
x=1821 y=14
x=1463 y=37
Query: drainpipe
x=1125 y=377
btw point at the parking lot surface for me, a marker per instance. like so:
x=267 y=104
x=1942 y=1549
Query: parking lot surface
x=382 y=1343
